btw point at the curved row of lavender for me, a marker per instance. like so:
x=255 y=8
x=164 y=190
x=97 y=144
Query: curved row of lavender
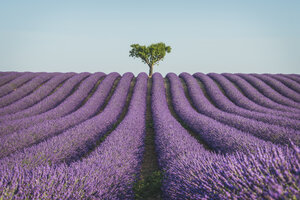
x=75 y=142
x=15 y=83
x=279 y=87
x=218 y=136
x=253 y=94
x=54 y=154
x=245 y=106
x=62 y=102
x=192 y=172
x=294 y=77
x=9 y=76
x=286 y=81
x=107 y=173
x=56 y=97
x=35 y=96
x=274 y=133
x=41 y=131
x=25 y=89
x=3 y=73
x=269 y=92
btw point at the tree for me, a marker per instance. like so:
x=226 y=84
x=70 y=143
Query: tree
x=150 y=55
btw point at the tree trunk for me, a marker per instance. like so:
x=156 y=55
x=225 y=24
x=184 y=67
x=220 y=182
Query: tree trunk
x=150 y=71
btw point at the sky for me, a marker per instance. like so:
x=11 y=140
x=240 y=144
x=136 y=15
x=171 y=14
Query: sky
x=246 y=36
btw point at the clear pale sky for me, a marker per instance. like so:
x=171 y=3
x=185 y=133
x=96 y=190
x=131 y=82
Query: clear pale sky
x=259 y=36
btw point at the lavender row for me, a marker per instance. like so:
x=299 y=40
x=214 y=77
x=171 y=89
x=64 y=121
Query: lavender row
x=107 y=173
x=286 y=81
x=269 y=92
x=56 y=96
x=9 y=77
x=3 y=73
x=61 y=108
x=116 y=162
x=293 y=77
x=35 y=96
x=25 y=89
x=236 y=97
x=17 y=82
x=41 y=131
x=285 y=91
x=218 y=136
x=274 y=133
x=256 y=96
x=191 y=172
x=75 y=142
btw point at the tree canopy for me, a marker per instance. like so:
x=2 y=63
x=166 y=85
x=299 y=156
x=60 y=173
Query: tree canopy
x=150 y=55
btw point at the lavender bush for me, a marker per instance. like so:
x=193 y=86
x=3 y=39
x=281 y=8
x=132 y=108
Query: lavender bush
x=107 y=173
x=245 y=104
x=192 y=172
x=269 y=92
x=15 y=83
x=72 y=144
x=25 y=89
x=35 y=96
x=279 y=87
x=252 y=93
x=62 y=102
x=293 y=77
x=81 y=140
x=276 y=134
x=56 y=97
x=219 y=136
x=286 y=81
x=41 y=131
x=9 y=77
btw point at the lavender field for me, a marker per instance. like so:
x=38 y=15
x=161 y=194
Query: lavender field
x=99 y=136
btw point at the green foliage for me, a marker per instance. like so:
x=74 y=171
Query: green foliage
x=150 y=125
x=146 y=188
x=150 y=55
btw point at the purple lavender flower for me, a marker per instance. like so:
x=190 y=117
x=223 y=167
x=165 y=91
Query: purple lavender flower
x=219 y=136
x=17 y=82
x=35 y=96
x=25 y=89
x=56 y=105
x=274 y=133
x=41 y=131
x=9 y=76
x=252 y=93
x=270 y=93
x=56 y=97
x=279 y=87
x=248 y=108
x=192 y=172
x=73 y=143
x=62 y=158
x=293 y=77
x=286 y=81
x=107 y=173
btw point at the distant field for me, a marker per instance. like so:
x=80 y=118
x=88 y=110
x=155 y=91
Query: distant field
x=187 y=136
